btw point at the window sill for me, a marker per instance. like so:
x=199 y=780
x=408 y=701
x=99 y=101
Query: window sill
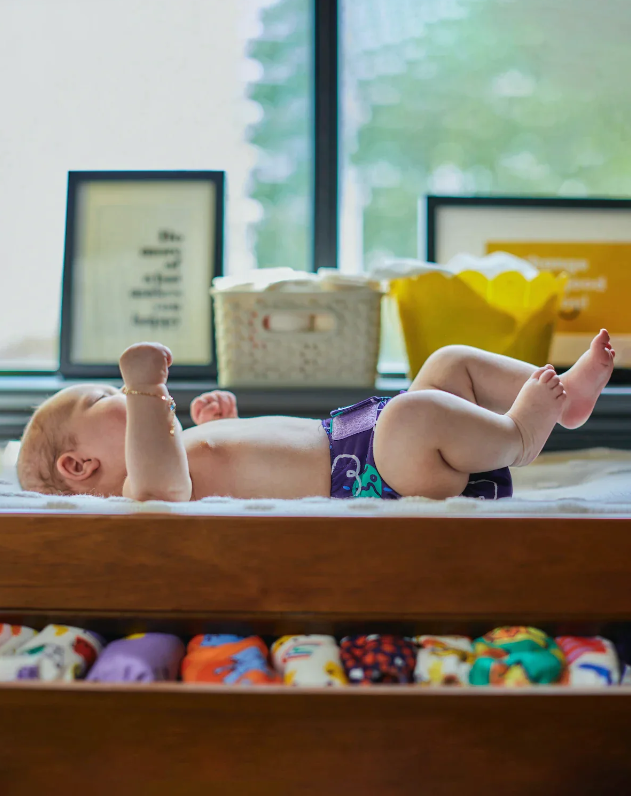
x=609 y=426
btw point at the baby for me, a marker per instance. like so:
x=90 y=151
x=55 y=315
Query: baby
x=467 y=417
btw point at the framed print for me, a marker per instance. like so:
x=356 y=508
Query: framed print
x=589 y=239
x=141 y=251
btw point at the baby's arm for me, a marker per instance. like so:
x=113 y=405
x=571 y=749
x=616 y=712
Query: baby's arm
x=157 y=465
x=215 y=405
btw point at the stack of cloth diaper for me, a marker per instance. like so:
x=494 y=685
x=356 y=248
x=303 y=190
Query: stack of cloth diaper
x=516 y=656
x=13 y=636
x=378 y=659
x=228 y=659
x=505 y=657
x=308 y=660
x=59 y=652
x=140 y=658
x=590 y=661
x=443 y=660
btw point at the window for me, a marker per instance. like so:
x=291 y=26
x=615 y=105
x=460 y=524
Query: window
x=439 y=96
x=475 y=96
x=154 y=84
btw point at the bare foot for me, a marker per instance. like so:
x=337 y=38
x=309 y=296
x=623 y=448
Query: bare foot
x=536 y=410
x=585 y=380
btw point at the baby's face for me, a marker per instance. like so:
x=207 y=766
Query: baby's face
x=98 y=415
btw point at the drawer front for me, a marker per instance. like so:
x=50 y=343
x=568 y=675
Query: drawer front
x=177 y=740
x=364 y=568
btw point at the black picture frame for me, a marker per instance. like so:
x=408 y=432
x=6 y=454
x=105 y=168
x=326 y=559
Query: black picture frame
x=73 y=366
x=621 y=376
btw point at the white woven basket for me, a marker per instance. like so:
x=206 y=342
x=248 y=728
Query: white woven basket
x=274 y=339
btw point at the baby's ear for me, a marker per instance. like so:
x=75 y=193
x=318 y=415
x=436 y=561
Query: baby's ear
x=75 y=468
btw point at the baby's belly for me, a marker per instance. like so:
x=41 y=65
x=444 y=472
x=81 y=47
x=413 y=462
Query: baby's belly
x=279 y=467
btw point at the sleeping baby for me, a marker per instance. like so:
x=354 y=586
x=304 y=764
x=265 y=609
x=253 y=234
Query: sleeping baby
x=467 y=417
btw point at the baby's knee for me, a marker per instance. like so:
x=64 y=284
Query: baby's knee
x=452 y=356
x=418 y=408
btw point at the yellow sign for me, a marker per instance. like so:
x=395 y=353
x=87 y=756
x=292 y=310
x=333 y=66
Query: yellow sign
x=597 y=295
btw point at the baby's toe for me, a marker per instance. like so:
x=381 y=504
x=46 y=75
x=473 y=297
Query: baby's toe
x=548 y=375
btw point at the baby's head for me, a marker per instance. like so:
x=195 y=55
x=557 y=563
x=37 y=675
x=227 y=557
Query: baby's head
x=75 y=443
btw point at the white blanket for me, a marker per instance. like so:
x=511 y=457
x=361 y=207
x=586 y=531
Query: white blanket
x=596 y=481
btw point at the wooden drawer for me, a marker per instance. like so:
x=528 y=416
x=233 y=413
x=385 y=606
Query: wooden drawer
x=178 y=739
x=360 y=568
x=256 y=574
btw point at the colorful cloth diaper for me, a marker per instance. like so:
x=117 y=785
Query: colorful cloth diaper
x=13 y=636
x=308 y=660
x=141 y=658
x=591 y=661
x=443 y=660
x=369 y=660
x=516 y=656
x=59 y=652
x=232 y=660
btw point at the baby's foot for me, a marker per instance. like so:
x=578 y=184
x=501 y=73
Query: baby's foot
x=585 y=380
x=536 y=410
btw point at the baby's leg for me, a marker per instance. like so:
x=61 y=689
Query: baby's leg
x=494 y=381
x=427 y=442
x=489 y=380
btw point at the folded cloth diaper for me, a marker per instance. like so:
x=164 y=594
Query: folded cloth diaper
x=308 y=660
x=516 y=656
x=591 y=661
x=13 y=636
x=443 y=660
x=141 y=658
x=59 y=652
x=373 y=659
x=232 y=660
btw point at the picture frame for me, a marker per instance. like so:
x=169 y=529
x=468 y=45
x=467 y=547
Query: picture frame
x=590 y=239
x=141 y=251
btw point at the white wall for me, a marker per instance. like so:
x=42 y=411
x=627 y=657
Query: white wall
x=112 y=84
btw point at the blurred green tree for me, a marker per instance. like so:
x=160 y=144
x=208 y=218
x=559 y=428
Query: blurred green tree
x=281 y=181
x=502 y=97
x=507 y=98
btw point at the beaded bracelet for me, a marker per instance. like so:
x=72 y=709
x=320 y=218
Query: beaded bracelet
x=168 y=398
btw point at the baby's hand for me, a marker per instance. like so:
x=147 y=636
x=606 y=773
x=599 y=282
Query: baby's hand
x=215 y=405
x=145 y=364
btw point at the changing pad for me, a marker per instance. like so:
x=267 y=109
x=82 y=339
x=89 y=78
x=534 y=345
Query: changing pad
x=595 y=481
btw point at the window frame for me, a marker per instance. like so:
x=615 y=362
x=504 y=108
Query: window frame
x=326 y=133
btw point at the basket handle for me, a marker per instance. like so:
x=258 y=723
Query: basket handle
x=299 y=321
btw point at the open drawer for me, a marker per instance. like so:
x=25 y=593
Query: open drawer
x=121 y=574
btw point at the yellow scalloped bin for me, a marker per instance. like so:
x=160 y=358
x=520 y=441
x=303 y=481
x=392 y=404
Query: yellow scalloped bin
x=506 y=315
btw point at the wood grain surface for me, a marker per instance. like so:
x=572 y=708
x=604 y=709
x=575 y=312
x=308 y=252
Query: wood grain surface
x=356 y=568
x=385 y=741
